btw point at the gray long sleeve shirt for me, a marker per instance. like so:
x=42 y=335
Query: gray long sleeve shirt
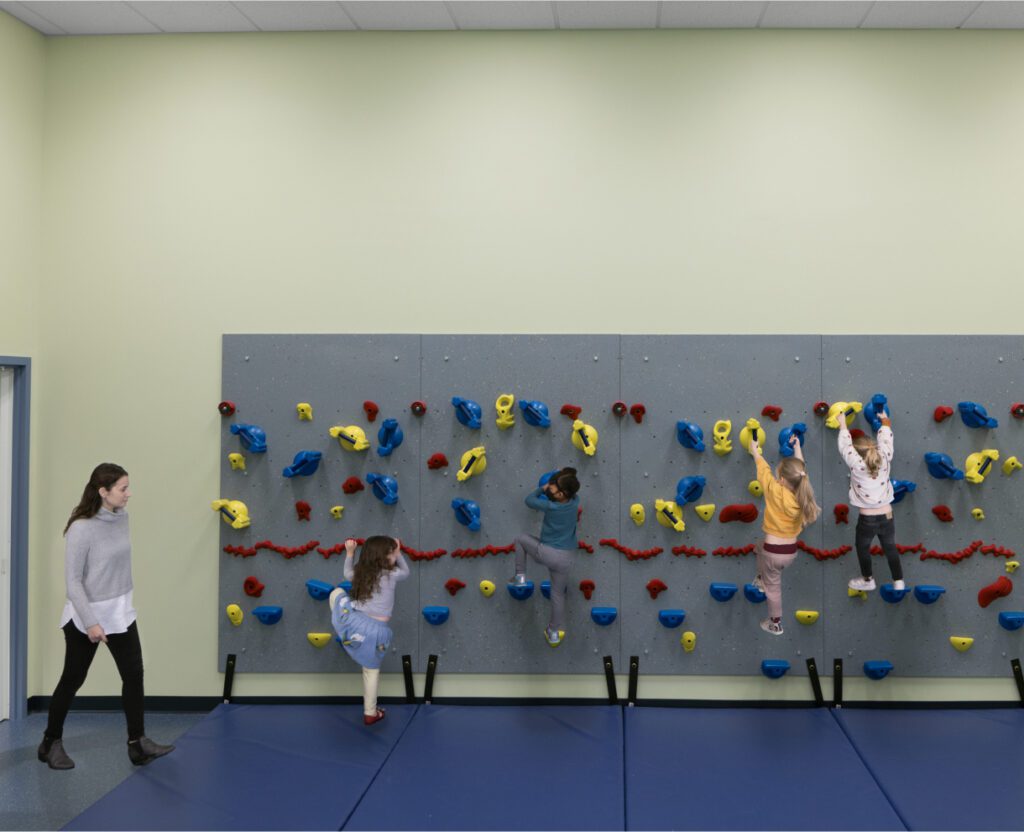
x=381 y=604
x=97 y=561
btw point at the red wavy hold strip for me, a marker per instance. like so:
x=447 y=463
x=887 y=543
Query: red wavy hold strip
x=631 y=554
x=586 y=547
x=288 y=552
x=730 y=551
x=822 y=554
x=689 y=551
x=952 y=557
x=417 y=554
x=486 y=550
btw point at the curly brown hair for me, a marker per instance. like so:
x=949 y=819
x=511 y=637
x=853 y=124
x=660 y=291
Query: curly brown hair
x=373 y=562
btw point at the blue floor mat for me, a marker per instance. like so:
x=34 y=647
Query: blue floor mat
x=747 y=768
x=945 y=769
x=256 y=767
x=503 y=767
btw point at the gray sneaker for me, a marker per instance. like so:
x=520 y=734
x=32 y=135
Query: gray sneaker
x=53 y=754
x=518 y=579
x=143 y=751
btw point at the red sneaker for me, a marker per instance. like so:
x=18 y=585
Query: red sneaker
x=377 y=717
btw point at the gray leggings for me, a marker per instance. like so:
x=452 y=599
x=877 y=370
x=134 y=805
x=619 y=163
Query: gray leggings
x=558 y=562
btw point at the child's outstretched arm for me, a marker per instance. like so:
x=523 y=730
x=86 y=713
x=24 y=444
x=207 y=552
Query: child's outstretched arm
x=885 y=438
x=401 y=570
x=764 y=470
x=798 y=449
x=349 y=569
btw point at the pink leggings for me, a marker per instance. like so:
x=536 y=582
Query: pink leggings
x=769 y=567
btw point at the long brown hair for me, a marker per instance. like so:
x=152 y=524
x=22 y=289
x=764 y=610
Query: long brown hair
x=105 y=475
x=794 y=472
x=373 y=562
x=868 y=450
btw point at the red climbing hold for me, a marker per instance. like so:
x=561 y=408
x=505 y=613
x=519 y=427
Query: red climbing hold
x=453 y=585
x=942 y=413
x=619 y=408
x=772 y=411
x=637 y=411
x=573 y=411
x=997 y=589
x=418 y=408
x=353 y=485
x=842 y=513
x=1017 y=410
x=745 y=513
x=302 y=510
x=252 y=587
x=943 y=513
x=437 y=461
x=587 y=587
x=821 y=408
x=226 y=408
x=656 y=586
x=371 y=410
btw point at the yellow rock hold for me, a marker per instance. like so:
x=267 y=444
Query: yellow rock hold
x=806 y=616
x=754 y=487
x=234 y=512
x=336 y=512
x=584 y=437
x=961 y=643
x=721 y=431
x=979 y=465
x=351 y=438
x=506 y=415
x=705 y=512
x=669 y=514
x=487 y=588
x=849 y=409
x=688 y=640
x=237 y=462
x=977 y=514
x=319 y=639
x=473 y=462
x=637 y=514
x=857 y=593
x=305 y=411
x=751 y=430
x=1012 y=565
x=235 y=614
x=1011 y=465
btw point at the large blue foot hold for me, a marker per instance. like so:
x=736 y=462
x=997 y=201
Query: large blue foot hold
x=1011 y=620
x=604 y=616
x=521 y=591
x=722 y=592
x=774 y=668
x=319 y=590
x=268 y=615
x=877 y=669
x=671 y=618
x=435 y=615
x=891 y=595
x=927 y=593
x=753 y=594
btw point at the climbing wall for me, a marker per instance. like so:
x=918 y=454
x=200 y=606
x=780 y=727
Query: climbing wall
x=697 y=379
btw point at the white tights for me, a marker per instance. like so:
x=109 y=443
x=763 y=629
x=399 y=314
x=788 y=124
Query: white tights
x=371 y=679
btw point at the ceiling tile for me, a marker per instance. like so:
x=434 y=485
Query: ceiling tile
x=284 y=16
x=503 y=14
x=918 y=14
x=711 y=14
x=93 y=18
x=610 y=14
x=406 y=15
x=194 y=16
x=30 y=18
x=814 y=14
x=998 y=15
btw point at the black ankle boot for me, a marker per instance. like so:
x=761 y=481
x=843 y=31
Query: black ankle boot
x=53 y=754
x=143 y=751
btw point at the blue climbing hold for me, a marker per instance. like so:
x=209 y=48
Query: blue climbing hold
x=901 y=488
x=689 y=489
x=799 y=430
x=975 y=416
x=927 y=593
x=690 y=435
x=390 y=437
x=468 y=412
x=385 y=488
x=891 y=595
x=545 y=589
x=671 y=618
x=535 y=413
x=941 y=466
x=346 y=585
x=877 y=669
x=268 y=615
x=436 y=615
x=1011 y=620
x=753 y=594
x=319 y=590
x=254 y=438
x=723 y=592
x=546 y=478
x=875 y=410
x=467 y=512
x=603 y=616
x=304 y=464
x=774 y=668
x=521 y=591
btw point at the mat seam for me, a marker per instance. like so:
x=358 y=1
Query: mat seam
x=380 y=768
x=867 y=767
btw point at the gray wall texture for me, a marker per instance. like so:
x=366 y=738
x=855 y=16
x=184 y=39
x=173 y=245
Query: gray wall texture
x=699 y=379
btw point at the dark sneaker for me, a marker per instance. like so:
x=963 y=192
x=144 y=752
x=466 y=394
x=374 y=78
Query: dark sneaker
x=53 y=754
x=143 y=751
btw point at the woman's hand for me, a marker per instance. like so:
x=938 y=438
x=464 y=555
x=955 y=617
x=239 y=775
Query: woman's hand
x=350 y=547
x=96 y=634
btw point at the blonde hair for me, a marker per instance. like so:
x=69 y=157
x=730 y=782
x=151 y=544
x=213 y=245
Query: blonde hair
x=794 y=473
x=868 y=450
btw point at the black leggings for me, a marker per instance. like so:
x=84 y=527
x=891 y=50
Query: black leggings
x=870 y=526
x=78 y=656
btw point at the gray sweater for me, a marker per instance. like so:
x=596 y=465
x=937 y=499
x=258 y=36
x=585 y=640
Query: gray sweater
x=97 y=561
x=382 y=602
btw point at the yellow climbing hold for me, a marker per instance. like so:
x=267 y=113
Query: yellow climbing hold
x=473 y=462
x=337 y=511
x=961 y=643
x=848 y=409
x=305 y=411
x=751 y=430
x=235 y=614
x=1012 y=565
x=237 y=462
x=637 y=513
x=754 y=487
x=721 y=431
x=979 y=465
x=688 y=640
x=977 y=514
x=584 y=437
x=350 y=437
x=487 y=588
x=807 y=616
x=705 y=512
x=319 y=639
x=670 y=515
x=506 y=415
x=856 y=593
x=1011 y=465
x=234 y=512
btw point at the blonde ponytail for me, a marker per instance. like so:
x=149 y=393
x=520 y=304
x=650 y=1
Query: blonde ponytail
x=868 y=450
x=794 y=472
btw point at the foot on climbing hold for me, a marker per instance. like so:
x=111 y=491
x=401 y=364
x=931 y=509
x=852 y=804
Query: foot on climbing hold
x=553 y=637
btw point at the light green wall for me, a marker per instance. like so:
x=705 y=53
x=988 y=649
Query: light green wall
x=487 y=182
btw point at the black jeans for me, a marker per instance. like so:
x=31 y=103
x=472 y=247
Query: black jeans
x=78 y=656
x=870 y=526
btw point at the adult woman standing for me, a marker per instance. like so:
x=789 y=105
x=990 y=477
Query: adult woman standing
x=98 y=574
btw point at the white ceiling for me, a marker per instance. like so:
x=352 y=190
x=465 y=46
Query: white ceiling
x=102 y=17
